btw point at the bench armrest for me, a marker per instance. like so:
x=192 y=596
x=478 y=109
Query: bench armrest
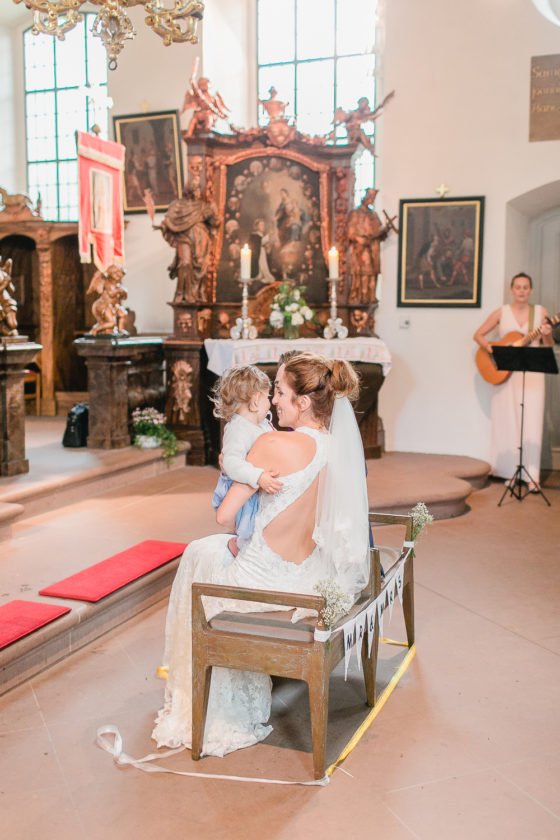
x=262 y=596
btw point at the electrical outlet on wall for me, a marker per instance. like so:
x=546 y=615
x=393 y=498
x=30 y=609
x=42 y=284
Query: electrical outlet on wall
x=404 y=323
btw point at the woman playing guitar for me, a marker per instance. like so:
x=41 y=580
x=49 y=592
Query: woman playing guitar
x=519 y=318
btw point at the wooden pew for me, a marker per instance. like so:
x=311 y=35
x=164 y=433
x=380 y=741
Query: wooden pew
x=268 y=642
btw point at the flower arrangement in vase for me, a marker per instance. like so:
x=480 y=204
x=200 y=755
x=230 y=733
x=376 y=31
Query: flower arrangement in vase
x=289 y=310
x=150 y=431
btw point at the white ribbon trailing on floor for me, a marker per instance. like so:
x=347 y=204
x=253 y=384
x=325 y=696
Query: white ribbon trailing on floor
x=109 y=738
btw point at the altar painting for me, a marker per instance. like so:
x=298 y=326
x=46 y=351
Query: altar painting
x=274 y=204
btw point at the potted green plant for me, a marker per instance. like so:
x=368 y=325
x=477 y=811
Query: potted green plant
x=150 y=431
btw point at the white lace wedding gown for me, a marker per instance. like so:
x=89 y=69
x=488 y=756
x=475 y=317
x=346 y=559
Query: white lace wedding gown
x=239 y=702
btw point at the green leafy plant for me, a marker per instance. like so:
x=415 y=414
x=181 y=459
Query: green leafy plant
x=148 y=422
x=289 y=308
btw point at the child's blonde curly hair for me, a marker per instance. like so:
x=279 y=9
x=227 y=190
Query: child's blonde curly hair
x=236 y=387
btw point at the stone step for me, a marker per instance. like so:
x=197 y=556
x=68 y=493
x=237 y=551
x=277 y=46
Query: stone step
x=86 y=622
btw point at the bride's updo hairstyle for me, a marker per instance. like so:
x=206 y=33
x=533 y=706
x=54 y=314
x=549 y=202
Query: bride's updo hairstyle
x=322 y=380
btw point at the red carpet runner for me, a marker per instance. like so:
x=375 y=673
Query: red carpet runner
x=100 y=580
x=19 y=618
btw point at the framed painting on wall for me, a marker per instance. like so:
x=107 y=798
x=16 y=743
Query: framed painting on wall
x=153 y=158
x=275 y=201
x=440 y=257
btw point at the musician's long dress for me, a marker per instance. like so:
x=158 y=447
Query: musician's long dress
x=506 y=411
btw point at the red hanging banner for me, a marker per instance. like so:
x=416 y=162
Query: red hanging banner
x=101 y=219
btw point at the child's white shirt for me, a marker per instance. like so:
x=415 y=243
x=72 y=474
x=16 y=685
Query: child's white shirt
x=239 y=436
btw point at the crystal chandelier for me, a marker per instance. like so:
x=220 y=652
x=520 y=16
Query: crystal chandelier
x=173 y=20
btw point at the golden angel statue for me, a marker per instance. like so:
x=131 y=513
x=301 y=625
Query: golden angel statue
x=206 y=107
x=109 y=313
x=354 y=120
x=274 y=108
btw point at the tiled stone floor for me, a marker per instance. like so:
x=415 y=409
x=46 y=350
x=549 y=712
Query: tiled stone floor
x=467 y=746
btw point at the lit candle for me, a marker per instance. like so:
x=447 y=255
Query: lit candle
x=245 y=262
x=333 y=264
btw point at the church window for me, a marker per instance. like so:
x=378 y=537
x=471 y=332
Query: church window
x=320 y=56
x=65 y=90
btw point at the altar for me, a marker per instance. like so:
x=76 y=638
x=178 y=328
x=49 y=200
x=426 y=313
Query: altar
x=370 y=357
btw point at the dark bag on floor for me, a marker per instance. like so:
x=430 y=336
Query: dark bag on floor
x=76 y=431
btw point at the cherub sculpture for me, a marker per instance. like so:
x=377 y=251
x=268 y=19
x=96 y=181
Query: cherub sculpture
x=353 y=120
x=108 y=310
x=273 y=107
x=8 y=304
x=206 y=107
x=181 y=390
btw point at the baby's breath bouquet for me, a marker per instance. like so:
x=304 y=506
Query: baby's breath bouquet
x=421 y=517
x=337 y=602
x=148 y=424
x=289 y=310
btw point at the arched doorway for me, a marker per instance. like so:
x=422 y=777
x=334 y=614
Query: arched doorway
x=533 y=245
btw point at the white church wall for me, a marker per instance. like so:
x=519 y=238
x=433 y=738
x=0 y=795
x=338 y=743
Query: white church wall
x=12 y=159
x=460 y=116
x=149 y=77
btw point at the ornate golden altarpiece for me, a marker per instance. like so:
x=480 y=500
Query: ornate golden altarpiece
x=250 y=175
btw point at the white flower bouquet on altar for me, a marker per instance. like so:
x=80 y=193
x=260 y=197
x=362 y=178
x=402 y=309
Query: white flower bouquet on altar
x=150 y=431
x=289 y=310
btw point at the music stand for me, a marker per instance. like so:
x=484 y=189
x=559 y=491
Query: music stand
x=535 y=360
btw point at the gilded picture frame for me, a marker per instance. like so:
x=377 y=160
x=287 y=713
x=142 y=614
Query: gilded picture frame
x=153 y=158
x=440 y=254
x=275 y=200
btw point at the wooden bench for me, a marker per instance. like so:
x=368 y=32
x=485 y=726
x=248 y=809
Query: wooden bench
x=269 y=642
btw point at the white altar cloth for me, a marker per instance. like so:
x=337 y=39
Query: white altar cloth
x=223 y=353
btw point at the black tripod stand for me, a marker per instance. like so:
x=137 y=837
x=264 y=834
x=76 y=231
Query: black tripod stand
x=523 y=359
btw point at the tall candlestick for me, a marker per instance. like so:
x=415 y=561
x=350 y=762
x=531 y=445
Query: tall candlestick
x=243 y=327
x=333 y=264
x=245 y=262
x=334 y=328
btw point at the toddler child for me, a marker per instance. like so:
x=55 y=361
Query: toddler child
x=241 y=399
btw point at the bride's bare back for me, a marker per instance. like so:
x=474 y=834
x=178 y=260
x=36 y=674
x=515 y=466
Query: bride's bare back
x=290 y=532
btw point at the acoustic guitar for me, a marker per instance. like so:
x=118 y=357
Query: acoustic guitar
x=485 y=361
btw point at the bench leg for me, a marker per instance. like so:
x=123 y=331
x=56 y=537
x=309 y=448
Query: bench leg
x=369 y=665
x=202 y=677
x=408 y=600
x=319 y=707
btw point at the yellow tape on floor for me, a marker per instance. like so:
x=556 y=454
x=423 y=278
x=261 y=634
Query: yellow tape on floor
x=386 y=693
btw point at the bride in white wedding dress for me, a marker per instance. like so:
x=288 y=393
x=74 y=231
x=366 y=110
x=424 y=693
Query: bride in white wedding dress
x=314 y=528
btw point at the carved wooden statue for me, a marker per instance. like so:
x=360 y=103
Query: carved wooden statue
x=181 y=390
x=365 y=234
x=8 y=304
x=108 y=310
x=354 y=120
x=207 y=107
x=19 y=206
x=274 y=108
x=189 y=226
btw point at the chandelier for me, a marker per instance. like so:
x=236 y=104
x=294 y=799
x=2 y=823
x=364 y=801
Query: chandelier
x=175 y=21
